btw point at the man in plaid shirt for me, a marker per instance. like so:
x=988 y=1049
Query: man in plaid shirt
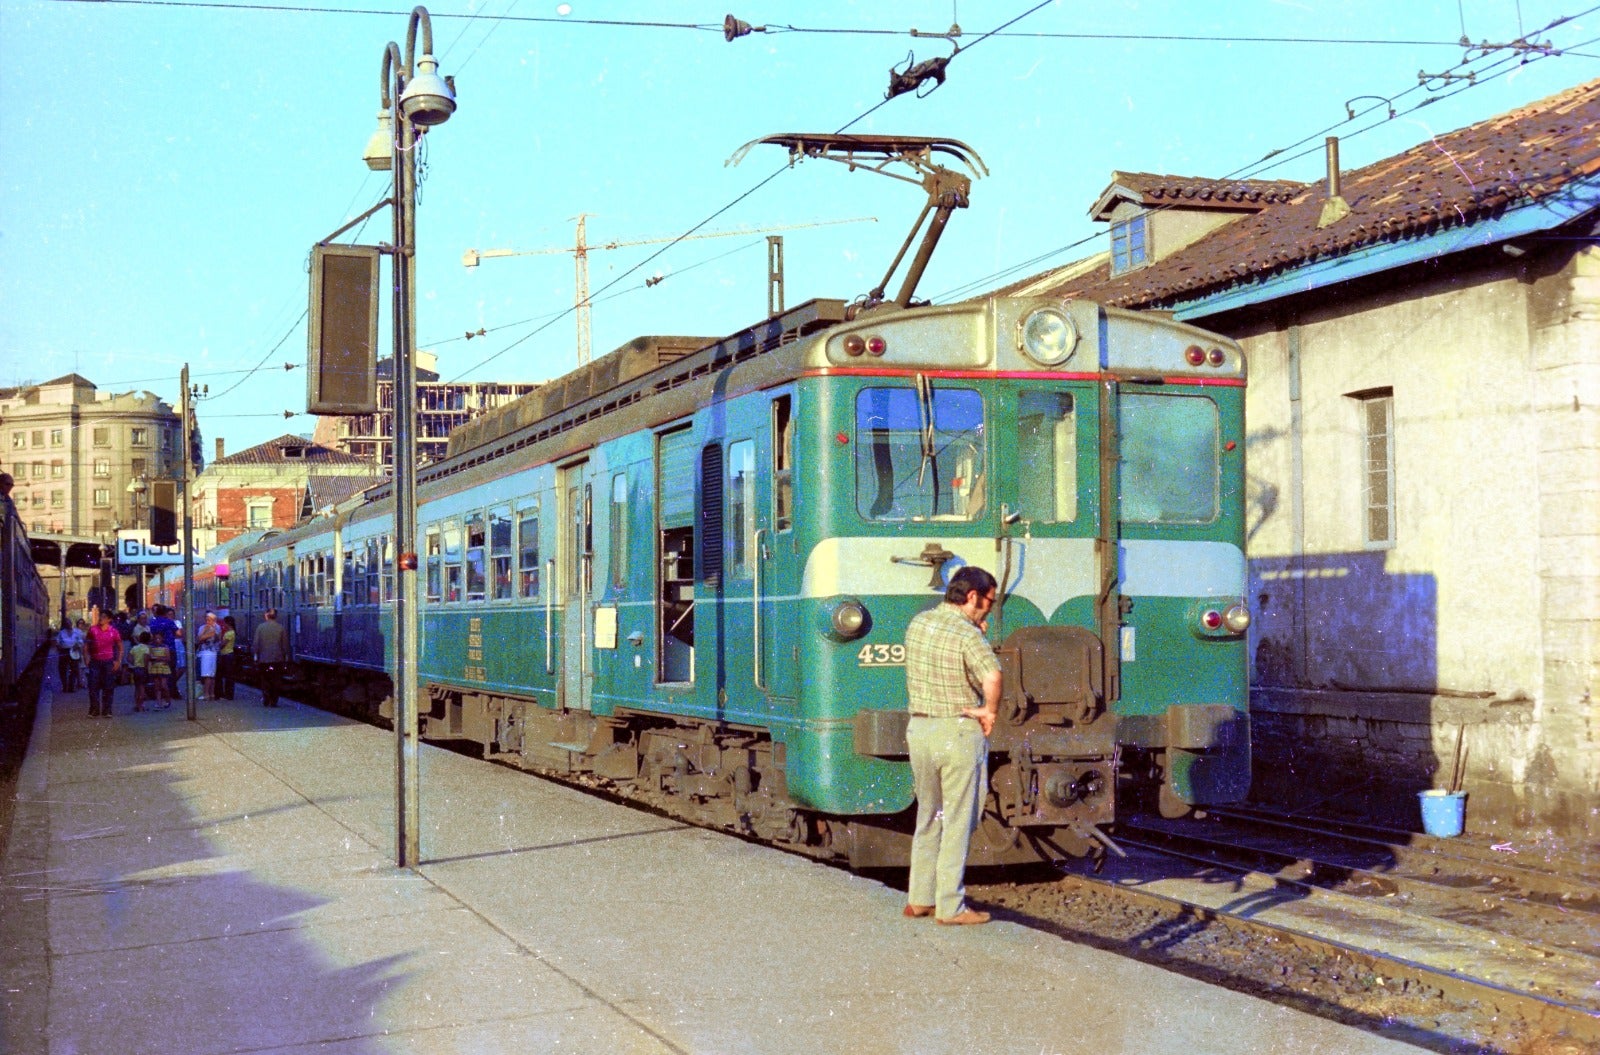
x=953 y=684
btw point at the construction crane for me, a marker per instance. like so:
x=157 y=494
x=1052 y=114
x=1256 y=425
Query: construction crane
x=583 y=247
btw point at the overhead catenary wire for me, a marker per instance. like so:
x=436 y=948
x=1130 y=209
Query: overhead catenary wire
x=741 y=197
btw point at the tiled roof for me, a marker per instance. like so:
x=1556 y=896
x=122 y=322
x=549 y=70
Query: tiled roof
x=325 y=491
x=1194 y=192
x=273 y=452
x=1449 y=181
x=69 y=379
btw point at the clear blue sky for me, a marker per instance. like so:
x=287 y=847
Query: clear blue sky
x=168 y=166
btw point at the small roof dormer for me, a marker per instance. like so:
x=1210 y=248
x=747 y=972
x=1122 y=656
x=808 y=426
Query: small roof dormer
x=1154 y=215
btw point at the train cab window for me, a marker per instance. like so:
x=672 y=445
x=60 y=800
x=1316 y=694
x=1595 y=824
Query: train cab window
x=782 y=464
x=500 y=551
x=740 y=526
x=1047 y=457
x=434 y=550
x=452 y=560
x=477 y=544
x=528 y=548
x=1169 y=467
x=920 y=455
x=619 y=530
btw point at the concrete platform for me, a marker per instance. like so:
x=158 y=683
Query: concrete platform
x=227 y=885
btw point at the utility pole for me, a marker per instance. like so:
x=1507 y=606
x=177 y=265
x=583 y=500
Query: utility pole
x=187 y=475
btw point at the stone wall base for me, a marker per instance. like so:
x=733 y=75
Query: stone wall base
x=1366 y=755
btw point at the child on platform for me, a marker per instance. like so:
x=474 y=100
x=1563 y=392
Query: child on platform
x=139 y=668
x=160 y=665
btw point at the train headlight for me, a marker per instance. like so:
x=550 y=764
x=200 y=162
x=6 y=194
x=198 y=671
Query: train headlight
x=1049 y=336
x=845 y=619
x=1237 y=619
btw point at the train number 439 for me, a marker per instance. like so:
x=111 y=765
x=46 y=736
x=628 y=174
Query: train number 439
x=881 y=656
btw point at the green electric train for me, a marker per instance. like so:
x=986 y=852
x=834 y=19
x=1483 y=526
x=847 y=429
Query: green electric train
x=684 y=571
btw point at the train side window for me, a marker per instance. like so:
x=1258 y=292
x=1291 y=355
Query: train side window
x=740 y=527
x=371 y=589
x=500 y=551
x=920 y=455
x=619 y=530
x=528 y=548
x=452 y=560
x=354 y=573
x=388 y=567
x=434 y=549
x=477 y=541
x=782 y=463
x=1047 y=457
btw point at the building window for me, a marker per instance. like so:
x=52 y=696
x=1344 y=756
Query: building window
x=38 y=437
x=102 y=467
x=138 y=466
x=38 y=470
x=258 y=514
x=57 y=437
x=102 y=497
x=58 y=500
x=57 y=470
x=102 y=437
x=19 y=440
x=1378 y=483
x=1129 y=244
x=140 y=437
x=37 y=498
x=102 y=527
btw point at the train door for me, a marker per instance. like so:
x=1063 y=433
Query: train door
x=777 y=562
x=675 y=571
x=577 y=519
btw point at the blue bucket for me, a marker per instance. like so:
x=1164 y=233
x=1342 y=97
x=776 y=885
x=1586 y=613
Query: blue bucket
x=1443 y=812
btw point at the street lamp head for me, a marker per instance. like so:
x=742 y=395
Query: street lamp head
x=379 y=154
x=429 y=99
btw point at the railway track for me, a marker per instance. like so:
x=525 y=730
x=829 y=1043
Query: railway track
x=1423 y=942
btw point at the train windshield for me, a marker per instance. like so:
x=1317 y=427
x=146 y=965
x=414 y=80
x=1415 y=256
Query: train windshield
x=919 y=453
x=1169 y=459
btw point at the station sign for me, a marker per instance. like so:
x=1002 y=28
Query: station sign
x=134 y=549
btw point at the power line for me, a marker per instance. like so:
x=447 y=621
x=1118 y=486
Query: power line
x=1253 y=169
x=716 y=27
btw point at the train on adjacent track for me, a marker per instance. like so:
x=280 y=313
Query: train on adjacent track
x=24 y=604
x=684 y=571
x=686 y=574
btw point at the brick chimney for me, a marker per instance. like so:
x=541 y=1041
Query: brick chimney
x=219 y=449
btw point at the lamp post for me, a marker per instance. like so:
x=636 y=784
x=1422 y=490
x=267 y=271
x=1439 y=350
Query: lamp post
x=414 y=99
x=138 y=487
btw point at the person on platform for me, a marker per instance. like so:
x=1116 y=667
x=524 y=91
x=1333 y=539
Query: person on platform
x=160 y=671
x=102 y=647
x=271 y=648
x=953 y=686
x=139 y=669
x=69 y=655
x=226 y=669
x=207 y=642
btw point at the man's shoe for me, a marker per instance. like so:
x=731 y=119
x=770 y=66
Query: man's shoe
x=966 y=918
x=917 y=911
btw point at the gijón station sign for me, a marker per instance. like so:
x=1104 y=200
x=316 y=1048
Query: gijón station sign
x=134 y=549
